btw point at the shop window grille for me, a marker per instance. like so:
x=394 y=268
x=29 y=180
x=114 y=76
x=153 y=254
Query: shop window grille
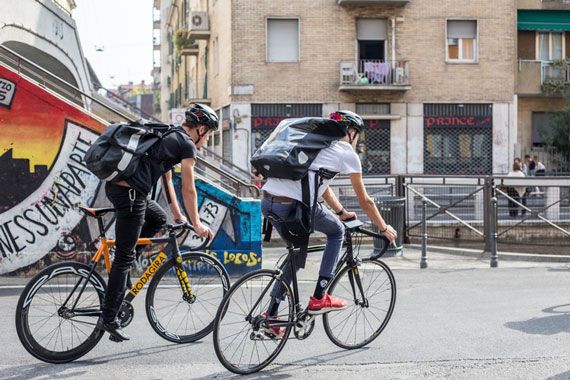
x=458 y=139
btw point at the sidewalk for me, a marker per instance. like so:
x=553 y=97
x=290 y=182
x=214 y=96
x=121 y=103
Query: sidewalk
x=439 y=258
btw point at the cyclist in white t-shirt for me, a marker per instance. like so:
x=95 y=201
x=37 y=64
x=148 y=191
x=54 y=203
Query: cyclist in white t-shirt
x=279 y=196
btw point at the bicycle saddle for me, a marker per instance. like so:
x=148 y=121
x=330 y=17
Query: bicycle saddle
x=96 y=212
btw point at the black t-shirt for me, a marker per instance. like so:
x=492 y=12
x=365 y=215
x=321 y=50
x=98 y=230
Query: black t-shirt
x=171 y=150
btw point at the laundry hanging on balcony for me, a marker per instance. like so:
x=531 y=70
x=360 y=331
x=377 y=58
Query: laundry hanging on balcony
x=377 y=72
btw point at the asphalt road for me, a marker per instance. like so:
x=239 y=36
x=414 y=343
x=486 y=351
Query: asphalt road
x=461 y=321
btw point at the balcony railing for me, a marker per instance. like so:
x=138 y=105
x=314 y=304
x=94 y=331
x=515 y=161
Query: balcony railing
x=551 y=71
x=543 y=4
x=542 y=77
x=373 y=2
x=374 y=74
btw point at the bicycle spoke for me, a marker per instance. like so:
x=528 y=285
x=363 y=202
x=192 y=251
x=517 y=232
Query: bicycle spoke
x=246 y=345
x=356 y=328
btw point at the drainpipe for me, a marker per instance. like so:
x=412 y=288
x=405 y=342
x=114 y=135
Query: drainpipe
x=393 y=44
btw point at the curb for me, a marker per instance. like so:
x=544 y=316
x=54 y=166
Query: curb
x=509 y=256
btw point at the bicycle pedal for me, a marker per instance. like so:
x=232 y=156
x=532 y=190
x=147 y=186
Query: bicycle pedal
x=115 y=339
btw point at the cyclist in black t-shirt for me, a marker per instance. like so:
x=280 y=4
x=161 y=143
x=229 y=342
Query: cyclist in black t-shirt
x=136 y=214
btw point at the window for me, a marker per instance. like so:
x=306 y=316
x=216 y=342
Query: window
x=550 y=46
x=541 y=127
x=282 y=40
x=462 y=41
x=371 y=34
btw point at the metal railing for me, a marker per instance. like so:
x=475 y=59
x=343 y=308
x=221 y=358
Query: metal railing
x=489 y=213
x=374 y=72
x=552 y=71
x=208 y=168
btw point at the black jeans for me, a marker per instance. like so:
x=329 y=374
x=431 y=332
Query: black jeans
x=135 y=216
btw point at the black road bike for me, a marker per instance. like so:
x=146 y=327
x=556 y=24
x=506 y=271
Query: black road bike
x=57 y=312
x=246 y=338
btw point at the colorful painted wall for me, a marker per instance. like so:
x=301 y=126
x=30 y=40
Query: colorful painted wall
x=43 y=140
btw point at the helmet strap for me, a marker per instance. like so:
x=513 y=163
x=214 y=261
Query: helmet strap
x=352 y=136
x=200 y=135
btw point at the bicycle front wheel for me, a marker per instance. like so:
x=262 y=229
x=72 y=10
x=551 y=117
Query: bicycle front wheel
x=183 y=318
x=246 y=339
x=368 y=311
x=55 y=323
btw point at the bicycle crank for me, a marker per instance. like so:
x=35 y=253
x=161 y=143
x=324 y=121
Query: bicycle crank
x=126 y=313
x=304 y=326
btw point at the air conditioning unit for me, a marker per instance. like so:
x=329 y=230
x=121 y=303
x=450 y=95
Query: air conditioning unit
x=199 y=21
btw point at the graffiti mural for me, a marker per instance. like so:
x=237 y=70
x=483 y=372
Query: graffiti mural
x=236 y=224
x=43 y=139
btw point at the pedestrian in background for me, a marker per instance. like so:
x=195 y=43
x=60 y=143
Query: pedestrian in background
x=516 y=192
x=540 y=168
x=532 y=166
x=525 y=164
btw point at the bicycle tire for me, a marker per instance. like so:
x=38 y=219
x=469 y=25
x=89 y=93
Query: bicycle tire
x=330 y=320
x=40 y=285
x=166 y=280
x=224 y=310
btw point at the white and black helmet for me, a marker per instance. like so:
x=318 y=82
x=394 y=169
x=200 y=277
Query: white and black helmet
x=201 y=114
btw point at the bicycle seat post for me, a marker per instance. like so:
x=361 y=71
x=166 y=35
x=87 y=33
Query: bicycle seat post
x=101 y=226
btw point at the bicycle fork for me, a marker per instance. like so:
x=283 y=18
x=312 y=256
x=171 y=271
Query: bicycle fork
x=187 y=293
x=354 y=279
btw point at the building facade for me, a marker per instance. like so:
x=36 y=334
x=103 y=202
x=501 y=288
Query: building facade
x=439 y=82
x=543 y=42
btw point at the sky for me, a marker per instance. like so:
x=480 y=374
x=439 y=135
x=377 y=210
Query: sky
x=123 y=28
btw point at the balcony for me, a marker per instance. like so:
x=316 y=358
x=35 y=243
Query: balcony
x=374 y=75
x=188 y=51
x=185 y=45
x=543 y=4
x=199 y=26
x=539 y=78
x=156 y=24
x=372 y=2
x=190 y=101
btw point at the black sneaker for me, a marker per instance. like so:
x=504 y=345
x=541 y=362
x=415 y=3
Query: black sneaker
x=114 y=329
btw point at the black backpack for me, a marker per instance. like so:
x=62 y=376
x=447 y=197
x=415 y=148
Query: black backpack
x=116 y=154
x=294 y=145
x=288 y=153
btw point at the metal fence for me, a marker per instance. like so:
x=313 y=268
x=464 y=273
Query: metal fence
x=528 y=214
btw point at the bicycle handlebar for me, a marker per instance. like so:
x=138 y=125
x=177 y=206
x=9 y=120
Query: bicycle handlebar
x=182 y=227
x=377 y=236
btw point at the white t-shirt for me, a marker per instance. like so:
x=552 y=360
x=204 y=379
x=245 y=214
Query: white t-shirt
x=519 y=189
x=340 y=157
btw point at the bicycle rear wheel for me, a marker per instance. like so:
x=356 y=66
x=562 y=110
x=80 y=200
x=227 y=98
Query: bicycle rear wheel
x=364 y=319
x=174 y=315
x=50 y=328
x=246 y=343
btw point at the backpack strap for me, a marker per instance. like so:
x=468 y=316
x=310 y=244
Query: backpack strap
x=166 y=189
x=165 y=186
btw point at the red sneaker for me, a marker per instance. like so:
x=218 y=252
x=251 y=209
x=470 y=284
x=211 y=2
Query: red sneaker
x=272 y=332
x=325 y=304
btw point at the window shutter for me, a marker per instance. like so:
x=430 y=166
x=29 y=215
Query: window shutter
x=282 y=40
x=371 y=29
x=461 y=29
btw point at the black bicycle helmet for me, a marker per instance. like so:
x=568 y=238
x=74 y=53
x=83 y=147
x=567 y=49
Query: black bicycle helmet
x=348 y=119
x=201 y=114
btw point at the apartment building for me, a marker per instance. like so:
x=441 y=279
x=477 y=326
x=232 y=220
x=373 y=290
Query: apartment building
x=434 y=79
x=543 y=42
